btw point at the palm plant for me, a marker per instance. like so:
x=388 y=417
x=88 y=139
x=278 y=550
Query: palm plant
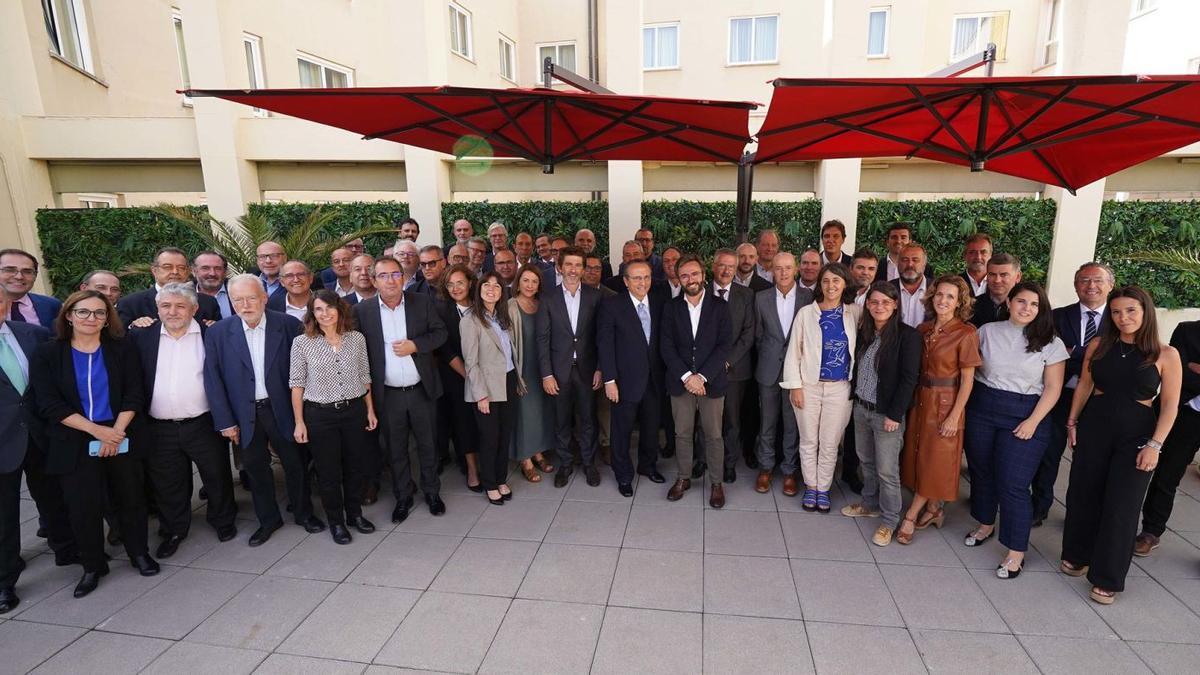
x=1179 y=259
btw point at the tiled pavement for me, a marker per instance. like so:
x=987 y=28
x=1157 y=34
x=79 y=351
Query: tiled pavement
x=581 y=579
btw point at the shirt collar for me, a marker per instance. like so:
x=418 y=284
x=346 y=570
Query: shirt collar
x=786 y=296
x=194 y=327
x=636 y=302
x=262 y=324
x=719 y=287
x=5 y=330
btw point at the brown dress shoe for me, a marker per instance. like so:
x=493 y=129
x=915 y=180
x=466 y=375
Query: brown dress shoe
x=790 y=488
x=763 y=484
x=681 y=486
x=717 y=498
x=1144 y=544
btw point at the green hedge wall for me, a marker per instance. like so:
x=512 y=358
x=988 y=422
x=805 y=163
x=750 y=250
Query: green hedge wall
x=553 y=217
x=350 y=216
x=1129 y=227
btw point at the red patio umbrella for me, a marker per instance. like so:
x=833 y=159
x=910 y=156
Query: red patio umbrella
x=542 y=125
x=1066 y=131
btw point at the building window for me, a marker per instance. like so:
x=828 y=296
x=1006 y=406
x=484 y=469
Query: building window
x=973 y=32
x=560 y=53
x=660 y=46
x=1051 y=18
x=252 y=45
x=97 y=201
x=877 y=31
x=460 y=31
x=319 y=74
x=508 y=59
x=66 y=25
x=754 y=39
x=1143 y=6
x=1194 y=66
x=185 y=79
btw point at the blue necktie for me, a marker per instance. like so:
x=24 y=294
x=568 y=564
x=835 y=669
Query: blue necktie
x=1089 y=332
x=644 y=317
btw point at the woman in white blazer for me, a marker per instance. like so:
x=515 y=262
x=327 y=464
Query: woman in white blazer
x=817 y=370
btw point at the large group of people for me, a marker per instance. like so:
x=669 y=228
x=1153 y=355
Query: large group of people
x=534 y=349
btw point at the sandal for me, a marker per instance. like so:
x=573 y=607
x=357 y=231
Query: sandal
x=823 y=504
x=936 y=519
x=1071 y=569
x=809 y=501
x=903 y=537
x=531 y=474
x=973 y=538
x=1102 y=596
x=542 y=465
x=1003 y=572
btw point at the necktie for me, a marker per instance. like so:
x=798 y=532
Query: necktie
x=721 y=293
x=1090 y=331
x=11 y=366
x=14 y=313
x=644 y=317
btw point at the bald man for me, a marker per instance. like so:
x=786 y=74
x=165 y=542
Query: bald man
x=586 y=240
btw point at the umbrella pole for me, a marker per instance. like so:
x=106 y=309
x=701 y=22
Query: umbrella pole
x=745 y=189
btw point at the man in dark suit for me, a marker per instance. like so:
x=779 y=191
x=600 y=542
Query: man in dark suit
x=586 y=240
x=18 y=271
x=296 y=280
x=899 y=235
x=747 y=269
x=740 y=301
x=633 y=376
x=747 y=275
x=179 y=427
x=1004 y=272
x=833 y=235
x=433 y=264
x=22 y=449
x=774 y=312
x=977 y=251
x=1076 y=324
x=170 y=266
x=331 y=277
x=645 y=238
x=566 y=341
x=246 y=368
x=403 y=330
x=696 y=341
x=630 y=251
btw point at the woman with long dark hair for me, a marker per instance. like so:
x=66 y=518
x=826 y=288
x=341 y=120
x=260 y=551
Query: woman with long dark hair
x=531 y=433
x=456 y=417
x=886 y=366
x=1008 y=424
x=1117 y=438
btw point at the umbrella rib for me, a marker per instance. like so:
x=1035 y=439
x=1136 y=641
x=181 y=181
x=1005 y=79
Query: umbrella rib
x=496 y=137
x=908 y=103
x=1016 y=130
x=512 y=120
x=612 y=112
x=954 y=115
x=647 y=135
x=666 y=133
x=570 y=127
x=1062 y=180
x=1123 y=109
x=937 y=114
x=606 y=128
x=932 y=147
x=1033 y=145
x=441 y=118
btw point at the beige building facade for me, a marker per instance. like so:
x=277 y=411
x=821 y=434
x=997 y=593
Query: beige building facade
x=90 y=116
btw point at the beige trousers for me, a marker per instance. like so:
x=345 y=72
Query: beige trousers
x=821 y=423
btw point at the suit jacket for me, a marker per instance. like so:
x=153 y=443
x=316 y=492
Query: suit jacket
x=845 y=258
x=987 y=311
x=606 y=292
x=52 y=375
x=897 y=369
x=483 y=359
x=1066 y=324
x=137 y=305
x=615 y=284
x=605 y=269
x=707 y=353
x=625 y=355
x=19 y=419
x=423 y=326
x=771 y=338
x=741 y=322
x=277 y=302
x=146 y=341
x=229 y=373
x=757 y=283
x=1186 y=338
x=559 y=346
x=452 y=382
x=46 y=308
x=324 y=279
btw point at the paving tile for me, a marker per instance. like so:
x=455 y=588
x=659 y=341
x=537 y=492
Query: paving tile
x=190 y=657
x=544 y=489
x=362 y=618
x=446 y=632
x=665 y=528
x=749 y=586
x=606 y=491
x=1041 y=603
x=545 y=637
x=179 y=604
x=659 y=580
x=743 y=533
x=1076 y=655
x=1175 y=557
x=740 y=494
x=319 y=557
x=236 y=556
x=525 y=519
x=461 y=514
x=991 y=553
x=731 y=643
x=928 y=548
x=25 y=645
x=1168 y=658
x=649 y=641
x=486 y=567
x=107 y=653
x=596 y=524
x=958 y=652
x=570 y=573
x=122 y=586
x=844 y=592
x=941 y=598
x=41 y=579
x=1186 y=590
x=1146 y=611
x=842 y=648
x=405 y=560
x=287 y=664
x=262 y=614
x=822 y=537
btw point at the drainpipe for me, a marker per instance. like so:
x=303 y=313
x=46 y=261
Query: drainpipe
x=593 y=49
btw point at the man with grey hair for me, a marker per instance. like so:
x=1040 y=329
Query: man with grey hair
x=408 y=255
x=498 y=235
x=179 y=427
x=480 y=257
x=767 y=244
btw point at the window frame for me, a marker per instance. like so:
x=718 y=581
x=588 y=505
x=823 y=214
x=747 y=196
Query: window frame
x=86 y=199
x=80 y=22
x=887 y=31
x=656 y=27
x=325 y=65
x=753 y=40
x=185 y=75
x=1150 y=6
x=511 y=45
x=260 y=72
x=1000 y=49
x=470 y=39
x=1045 y=39
x=537 y=51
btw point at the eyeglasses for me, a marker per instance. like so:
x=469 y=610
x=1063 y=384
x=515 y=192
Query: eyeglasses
x=81 y=313
x=269 y=256
x=23 y=271
x=394 y=276
x=171 y=268
x=430 y=263
x=294 y=276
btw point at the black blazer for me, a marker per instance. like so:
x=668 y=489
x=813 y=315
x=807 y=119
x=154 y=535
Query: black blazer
x=898 y=370
x=146 y=341
x=452 y=382
x=758 y=283
x=1186 y=338
x=987 y=311
x=1066 y=324
x=278 y=303
x=741 y=323
x=424 y=327
x=53 y=376
x=19 y=420
x=229 y=373
x=136 y=305
x=624 y=353
x=557 y=343
x=706 y=354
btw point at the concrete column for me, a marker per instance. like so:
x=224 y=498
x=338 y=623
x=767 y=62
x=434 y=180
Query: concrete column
x=1076 y=225
x=428 y=177
x=620 y=27
x=837 y=183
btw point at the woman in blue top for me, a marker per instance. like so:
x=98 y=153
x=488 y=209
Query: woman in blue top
x=88 y=387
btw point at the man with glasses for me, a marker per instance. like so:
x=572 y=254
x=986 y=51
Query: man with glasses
x=103 y=281
x=170 y=266
x=481 y=258
x=297 y=285
x=458 y=255
x=645 y=238
x=271 y=257
x=209 y=269
x=18 y=271
x=328 y=276
x=506 y=266
x=339 y=262
x=498 y=236
x=432 y=264
x=362 y=273
x=406 y=253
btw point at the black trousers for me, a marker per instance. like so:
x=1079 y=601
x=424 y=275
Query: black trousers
x=52 y=510
x=410 y=410
x=667 y=422
x=455 y=421
x=1106 y=489
x=256 y=462
x=1177 y=454
x=84 y=491
x=174 y=447
x=751 y=416
x=850 y=461
x=1047 y=473
x=337 y=438
x=574 y=405
x=646 y=412
x=495 y=432
x=731 y=421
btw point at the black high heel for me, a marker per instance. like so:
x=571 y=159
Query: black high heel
x=499 y=501
x=478 y=487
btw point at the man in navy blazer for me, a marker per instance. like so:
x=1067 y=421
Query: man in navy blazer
x=18 y=271
x=170 y=266
x=22 y=449
x=627 y=342
x=696 y=342
x=246 y=369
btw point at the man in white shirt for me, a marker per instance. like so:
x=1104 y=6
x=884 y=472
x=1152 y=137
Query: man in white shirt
x=670 y=258
x=833 y=235
x=810 y=269
x=767 y=245
x=362 y=274
x=912 y=284
x=340 y=261
x=977 y=250
x=297 y=285
x=899 y=235
x=862 y=273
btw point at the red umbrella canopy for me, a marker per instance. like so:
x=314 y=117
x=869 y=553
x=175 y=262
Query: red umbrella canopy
x=541 y=125
x=1066 y=131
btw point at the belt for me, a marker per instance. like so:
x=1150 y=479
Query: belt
x=181 y=420
x=262 y=403
x=332 y=405
x=866 y=404
x=408 y=388
x=939 y=381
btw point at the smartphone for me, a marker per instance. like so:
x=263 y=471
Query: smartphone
x=94 y=448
